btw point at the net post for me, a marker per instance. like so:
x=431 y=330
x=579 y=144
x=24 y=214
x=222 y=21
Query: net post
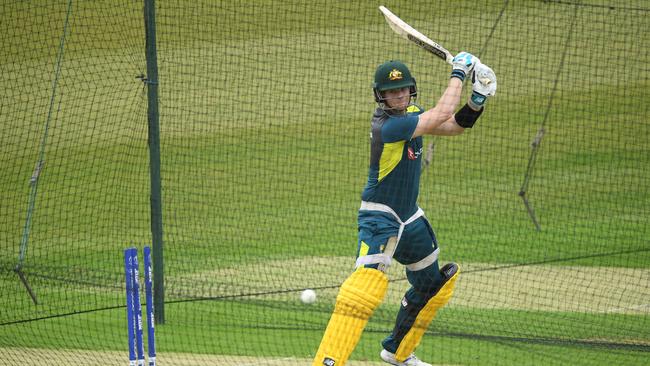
x=154 y=159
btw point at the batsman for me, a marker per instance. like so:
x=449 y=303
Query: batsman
x=391 y=224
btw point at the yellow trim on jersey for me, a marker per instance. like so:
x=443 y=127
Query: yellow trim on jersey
x=390 y=157
x=412 y=109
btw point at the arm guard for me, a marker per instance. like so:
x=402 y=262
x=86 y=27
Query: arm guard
x=466 y=116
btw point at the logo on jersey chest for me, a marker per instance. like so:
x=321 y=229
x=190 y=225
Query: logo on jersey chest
x=412 y=154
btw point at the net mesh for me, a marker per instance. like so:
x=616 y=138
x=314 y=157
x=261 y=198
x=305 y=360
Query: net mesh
x=265 y=112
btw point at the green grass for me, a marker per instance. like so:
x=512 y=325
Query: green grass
x=264 y=124
x=296 y=333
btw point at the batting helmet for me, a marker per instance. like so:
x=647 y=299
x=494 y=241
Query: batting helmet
x=392 y=75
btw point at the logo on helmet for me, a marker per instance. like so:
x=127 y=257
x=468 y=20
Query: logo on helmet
x=395 y=75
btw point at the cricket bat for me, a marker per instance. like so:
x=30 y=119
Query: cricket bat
x=407 y=32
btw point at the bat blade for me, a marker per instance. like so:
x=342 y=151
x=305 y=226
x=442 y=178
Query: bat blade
x=407 y=32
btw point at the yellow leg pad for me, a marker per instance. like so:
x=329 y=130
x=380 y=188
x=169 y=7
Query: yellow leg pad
x=414 y=336
x=358 y=298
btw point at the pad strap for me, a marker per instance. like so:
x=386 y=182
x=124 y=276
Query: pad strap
x=424 y=262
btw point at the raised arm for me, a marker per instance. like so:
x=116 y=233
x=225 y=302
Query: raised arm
x=443 y=119
x=439 y=120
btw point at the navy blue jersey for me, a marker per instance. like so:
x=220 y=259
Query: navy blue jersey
x=395 y=161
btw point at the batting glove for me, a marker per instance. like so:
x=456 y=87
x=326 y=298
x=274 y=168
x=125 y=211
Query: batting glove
x=463 y=64
x=484 y=85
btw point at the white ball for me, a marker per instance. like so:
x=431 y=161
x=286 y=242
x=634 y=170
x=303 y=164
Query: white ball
x=308 y=296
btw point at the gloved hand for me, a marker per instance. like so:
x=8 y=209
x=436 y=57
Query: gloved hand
x=463 y=64
x=484 y=84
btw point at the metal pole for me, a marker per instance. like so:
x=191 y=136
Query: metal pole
x=154 y=160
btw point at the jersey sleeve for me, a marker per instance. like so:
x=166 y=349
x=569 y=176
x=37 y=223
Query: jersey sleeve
x=399 y=128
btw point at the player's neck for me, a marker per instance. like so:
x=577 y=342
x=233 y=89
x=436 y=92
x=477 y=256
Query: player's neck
x=394 y=112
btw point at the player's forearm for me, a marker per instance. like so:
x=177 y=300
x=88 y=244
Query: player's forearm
x=433 y=119
x=449 y=128
x=449 y=100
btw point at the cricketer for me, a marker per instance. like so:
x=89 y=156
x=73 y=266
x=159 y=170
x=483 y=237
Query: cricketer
x=391 y=224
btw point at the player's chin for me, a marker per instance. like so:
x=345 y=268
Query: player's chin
x=399 y=107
